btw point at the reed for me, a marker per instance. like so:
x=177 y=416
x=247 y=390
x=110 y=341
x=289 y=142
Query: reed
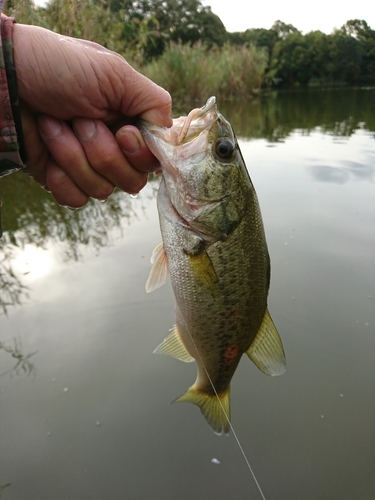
x=191 y=74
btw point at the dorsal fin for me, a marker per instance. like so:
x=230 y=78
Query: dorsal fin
x=266 y=350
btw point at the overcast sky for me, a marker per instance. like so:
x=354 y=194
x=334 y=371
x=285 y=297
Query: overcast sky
x=323 y=15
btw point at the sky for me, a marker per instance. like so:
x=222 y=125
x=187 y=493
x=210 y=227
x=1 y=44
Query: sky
x=323 y=15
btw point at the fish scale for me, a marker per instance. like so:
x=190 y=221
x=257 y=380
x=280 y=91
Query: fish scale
x=214 y=247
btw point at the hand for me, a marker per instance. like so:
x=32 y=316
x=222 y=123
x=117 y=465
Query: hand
x=78 y=102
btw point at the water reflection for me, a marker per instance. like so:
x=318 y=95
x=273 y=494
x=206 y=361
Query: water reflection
x=31 y=216
x=337 y=112
x=94 y=329
x=329 y=174
x=32 y=221
x=360 y=171
x=12 y=290
x=23 y=365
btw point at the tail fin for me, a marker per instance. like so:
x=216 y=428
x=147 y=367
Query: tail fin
x=215 y=409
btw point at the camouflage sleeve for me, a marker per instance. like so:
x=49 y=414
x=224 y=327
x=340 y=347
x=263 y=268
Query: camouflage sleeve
x=12 y=154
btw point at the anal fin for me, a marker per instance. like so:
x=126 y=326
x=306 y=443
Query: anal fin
x=173 y=346
x=266 y=350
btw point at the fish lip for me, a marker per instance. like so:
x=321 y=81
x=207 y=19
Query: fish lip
x=195 y=122
x=184 y=128
x=187 y=139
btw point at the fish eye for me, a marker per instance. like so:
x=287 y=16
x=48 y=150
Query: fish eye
x=224 y=148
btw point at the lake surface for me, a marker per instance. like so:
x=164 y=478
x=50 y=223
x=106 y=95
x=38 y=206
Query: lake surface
x=84 y=404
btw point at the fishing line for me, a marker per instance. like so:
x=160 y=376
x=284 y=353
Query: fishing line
x=223 y=409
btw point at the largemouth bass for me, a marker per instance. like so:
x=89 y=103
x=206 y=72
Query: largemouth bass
x=215 y=251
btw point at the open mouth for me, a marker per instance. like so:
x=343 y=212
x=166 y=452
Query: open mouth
x=186 y=128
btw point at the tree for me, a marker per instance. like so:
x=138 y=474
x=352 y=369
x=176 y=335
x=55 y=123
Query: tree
x=283 y=30
x=362 y=32
x=289 y=62
x=317 y=56
x=358 y=29
x=344 y=57
x=165 y=21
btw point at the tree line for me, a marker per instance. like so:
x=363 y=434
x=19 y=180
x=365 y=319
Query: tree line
x=346 y=56
x=144 y=31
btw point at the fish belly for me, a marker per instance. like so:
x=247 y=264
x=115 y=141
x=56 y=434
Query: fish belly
x=221 y=293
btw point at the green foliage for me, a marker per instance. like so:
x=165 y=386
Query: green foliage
x=183 y=46
x=88 y=19
x=289 y=59
x=346 y=56
x=191 y=74
x=25 y=12
x=153 y=24
x=365 y=36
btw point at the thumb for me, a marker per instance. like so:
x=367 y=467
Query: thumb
x=144 y=98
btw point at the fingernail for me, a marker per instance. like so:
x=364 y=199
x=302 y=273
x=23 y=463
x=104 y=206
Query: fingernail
x=84 y=128
x=129 y=142
x=49 y=127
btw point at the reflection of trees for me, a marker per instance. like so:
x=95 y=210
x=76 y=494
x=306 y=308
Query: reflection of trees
x=31 y=216
x=275 y=116
x=23 y=364
x=12 y=289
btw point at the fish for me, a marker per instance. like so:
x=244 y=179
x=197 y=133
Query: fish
x=214 y=249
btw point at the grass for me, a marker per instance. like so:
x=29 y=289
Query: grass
x=192 y=74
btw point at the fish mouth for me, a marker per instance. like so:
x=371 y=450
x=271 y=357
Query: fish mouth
x=187 y=128
x=178 y=148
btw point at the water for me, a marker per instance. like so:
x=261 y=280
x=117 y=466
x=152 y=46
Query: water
x=84 y=404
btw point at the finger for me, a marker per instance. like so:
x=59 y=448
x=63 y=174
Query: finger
x=106 y=157
x=69 y=155
x=65 y=191
x=36 y=152
x=134 y=147
x=159 y=114
x=144 y=98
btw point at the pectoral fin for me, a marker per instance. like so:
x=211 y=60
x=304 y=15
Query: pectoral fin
x=266 y=350
x=204 y=271
x=159 y=270
x=173 y=346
